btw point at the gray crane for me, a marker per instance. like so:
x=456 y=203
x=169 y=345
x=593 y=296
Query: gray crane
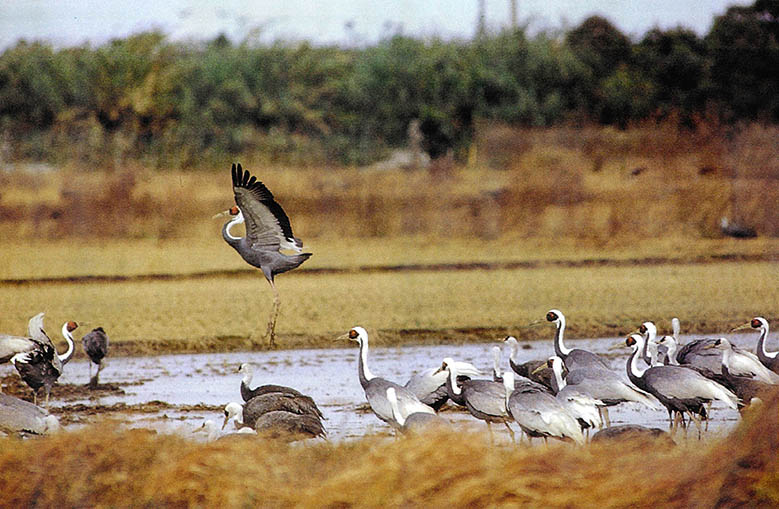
x=528 y=369
x=745 y=387
x=247 y=393
x=572 y=357
x=538 y=413
x=42 y=366
x=662 y=351
x=484 y=399
x=268 y=231
x=606 y=386
x=412 y=422
x=769 y=359
x=376 y=388
x=95 y=345
x=19 y=416
x=289 y=426
x=700 y=353
x=581 y=405
x=430 y=385
x=679 y=389
x=250 y=411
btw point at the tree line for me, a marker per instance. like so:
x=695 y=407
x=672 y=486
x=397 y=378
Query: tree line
x=170 y=103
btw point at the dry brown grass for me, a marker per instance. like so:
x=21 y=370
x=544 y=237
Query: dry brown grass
x=586 y=183
x=105 y=467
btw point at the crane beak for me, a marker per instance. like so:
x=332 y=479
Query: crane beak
x=617 y=346
x=538 y=369
x=747 y=325
x=536 y=323
x=342 y=337
x=221 y=214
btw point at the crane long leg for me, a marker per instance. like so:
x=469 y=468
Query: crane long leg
x=271 y=333
x=605 y=415
x=511 y=432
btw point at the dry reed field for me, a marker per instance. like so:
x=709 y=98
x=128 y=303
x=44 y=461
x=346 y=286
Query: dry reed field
x=211 y=313
x=108 y=467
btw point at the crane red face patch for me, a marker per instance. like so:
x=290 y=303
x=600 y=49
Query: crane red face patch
x=234 y=210
x=630 y=341
x=756 y=323
x=353 y=334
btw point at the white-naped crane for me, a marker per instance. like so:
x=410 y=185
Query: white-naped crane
x=679 y=389
x=429 y=385
x=268 y=231
x=769 y=359
x=573 y=358
x=42 y=366
x=376 y=388
x=247 y=393
x=250 y=411
x=538 y=413
x=18 y=417
x=581 y=405
x=416 y=421
x=289 y=426
x=484 y=399
x=95 y=344
x=606 y=386
x=528 y=369
x=746 y=388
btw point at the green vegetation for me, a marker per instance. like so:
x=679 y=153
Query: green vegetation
x=169 y=104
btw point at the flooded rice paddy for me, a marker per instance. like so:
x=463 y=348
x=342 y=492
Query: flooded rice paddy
x=177 y=393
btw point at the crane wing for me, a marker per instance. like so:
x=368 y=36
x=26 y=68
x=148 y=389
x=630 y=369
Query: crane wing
x=267 y=225
x=36 y=332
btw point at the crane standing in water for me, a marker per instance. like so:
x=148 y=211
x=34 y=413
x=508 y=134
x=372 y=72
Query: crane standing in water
x=268 y=231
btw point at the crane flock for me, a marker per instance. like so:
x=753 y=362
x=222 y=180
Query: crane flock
x=563 y=397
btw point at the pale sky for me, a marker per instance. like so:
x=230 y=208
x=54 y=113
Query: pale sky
x=72 y=22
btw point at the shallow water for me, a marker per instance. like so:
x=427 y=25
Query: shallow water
x=329 y=376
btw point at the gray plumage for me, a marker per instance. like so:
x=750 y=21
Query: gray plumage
x=289 y=426
x=573 y=358
x=584 y=407
x=677 y=388
x=746 y=388
x=484 y=399
x=376 y=388
x=95 y=345
x=268 y=230
x=19 y=416
x=429 y=386
x=247 y=393
x=631 y=432
x=539 y=414
x=412 y=422
x=530 y=369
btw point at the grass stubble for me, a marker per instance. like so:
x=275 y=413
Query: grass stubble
x=107 y=466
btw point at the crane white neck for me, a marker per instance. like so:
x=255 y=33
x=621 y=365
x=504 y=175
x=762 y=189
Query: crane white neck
x=365 y=373
x=456 y=389
x=761 y=342
x=71 y=346
x=496 y=362
x=557 y=368
x=560 y=347
x=726 y=354
x=238 y=219
x=248 y=375
x=633 y=363
x=514 y=350
x=671 y=347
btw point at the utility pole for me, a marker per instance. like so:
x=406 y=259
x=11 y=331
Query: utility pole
x=480 y=22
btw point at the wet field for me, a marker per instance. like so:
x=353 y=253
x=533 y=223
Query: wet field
x=177 y=393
